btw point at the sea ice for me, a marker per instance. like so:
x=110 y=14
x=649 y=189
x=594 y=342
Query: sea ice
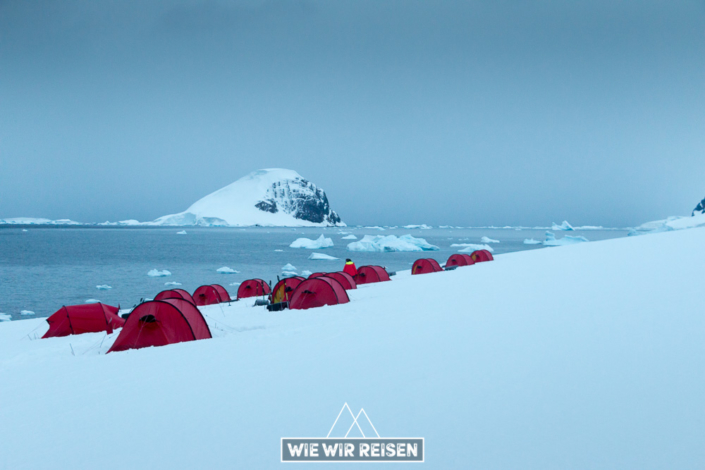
x=488 y=240
x=422 y=226
x=390 y=243
x=320 y=242
x=278 y=250
x=234 y=283
x=470 y=247
x=26 y=312
x=321 y=256
x=567 y=240
x=349 y=237
x=565 y=226
x=5 y=317
x=227 y=270
x=183 y=232
x=158 y=273
x=172 y=283
x=103 y=287
x=531 y=241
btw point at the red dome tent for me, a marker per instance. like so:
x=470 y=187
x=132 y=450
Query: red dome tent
x=86 y=318
x=345 y=280
x=161 y=322
x=206 y=295
x=175 y=294
x=370 y=274
x=459 y=259
x=481 y=255
x=224 y=295
x=318 y=292
x=253 y=288
x=425 y=266
x=317 y=275
x=283 y=289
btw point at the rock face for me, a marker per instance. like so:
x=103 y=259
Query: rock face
x=272 y=197
x=700 y=208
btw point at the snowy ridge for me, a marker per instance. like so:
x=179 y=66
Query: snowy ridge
x=271 y=197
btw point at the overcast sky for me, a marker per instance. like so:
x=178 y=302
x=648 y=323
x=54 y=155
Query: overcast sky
x=459 y=112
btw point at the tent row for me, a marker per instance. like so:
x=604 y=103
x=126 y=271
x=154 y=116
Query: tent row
x=430 y=265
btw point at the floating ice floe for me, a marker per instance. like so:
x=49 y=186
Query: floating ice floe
x=183 y=232
x=278 y=250
x=306 y=273
x=91 y=301
x=349 y=237
x=5 y=317
x=488 y=240
x=26 y=312
x=320 y=242
x=470 y=247
x=286 y=274
x=390 y=243
x=235 y=283
x=565 y=226
x=376 y=227
x=288 y=267
x=422 y=226
x=227 y=270
x=103 y=287
x=158 y=273
x=567 y=240
x=531 y=241
x=172 y=283
x=25 y=230
x=321 y=256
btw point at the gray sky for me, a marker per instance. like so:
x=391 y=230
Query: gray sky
x=463 y=112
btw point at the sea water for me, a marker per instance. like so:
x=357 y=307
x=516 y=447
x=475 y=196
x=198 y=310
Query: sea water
x=42 y=269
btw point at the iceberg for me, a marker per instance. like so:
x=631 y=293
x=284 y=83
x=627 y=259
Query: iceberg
x=289 y=267
x=470 y=247
x=321 y=256
x=103 y=287
x=5 y=317
x=669 y=224
x=349 y=237
x=565 y=226
x=531 y=241
x=183 y=232
x=306 y=273
x=320 y=242
x=227 y=270
x=92 y=301
x=567 y=240
x=172 y=283
x=391 y=243
x=26 y=312
x=234 y=283
x=488 y=240
x=422 y=226
x=278 y=250
x=158 y=273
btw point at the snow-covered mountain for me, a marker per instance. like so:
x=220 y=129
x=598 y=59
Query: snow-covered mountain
x=272 y=197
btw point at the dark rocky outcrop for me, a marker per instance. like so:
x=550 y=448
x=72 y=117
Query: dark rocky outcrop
x=700 y=208
x=301 y=199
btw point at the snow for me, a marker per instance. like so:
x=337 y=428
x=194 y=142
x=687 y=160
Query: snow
x=103 y=287
x=320 y=242
x=322 y=257
x=531 y=241
x=227 y=270
x=5 y=317
x=488 y=240
x=671 y=223
x=26 y=312
x=158 y=273
x=611 y=379
x=172 y=283
x=183 y=232
x=567 y=240
x=235 y=204
x=288 y=267
x=349 y=237
x=130 y=222
x=391 y=243
x=565 y=226
x=470 y=247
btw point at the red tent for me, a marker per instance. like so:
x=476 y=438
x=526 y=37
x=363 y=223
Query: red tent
x=85 y=318
x=481 y=255
x=175 y=294
x=161 y=322
x=370 y=274
x=425 y=266
x=317 y=275
x=459 y=259
x=283 y=289
x=318 y=292
x=253 y=288
x=224 y=295
x=206 y=295
x=345 y=279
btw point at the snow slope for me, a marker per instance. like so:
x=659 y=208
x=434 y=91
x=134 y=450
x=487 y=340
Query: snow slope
x=271 y=197
x=671 y=223
x=584 y=356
